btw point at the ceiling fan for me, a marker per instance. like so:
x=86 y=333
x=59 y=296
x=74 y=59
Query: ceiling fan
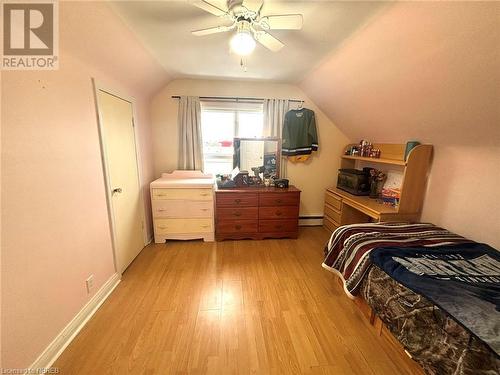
x=245 y=16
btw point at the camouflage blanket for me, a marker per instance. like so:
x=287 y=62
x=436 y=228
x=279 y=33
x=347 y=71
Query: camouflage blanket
x=438 y=343
x=347 y=252
x=462 y=280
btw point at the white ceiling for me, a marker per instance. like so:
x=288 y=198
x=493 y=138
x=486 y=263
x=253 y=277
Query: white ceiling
x=164 y=28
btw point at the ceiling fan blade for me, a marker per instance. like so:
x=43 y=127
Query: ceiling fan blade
x=268 y=41
x=210 y=8
x=211 y=30
x=253 y=5
x=283 y=22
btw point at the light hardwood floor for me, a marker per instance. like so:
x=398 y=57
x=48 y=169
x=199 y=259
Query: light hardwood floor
x=232 y=307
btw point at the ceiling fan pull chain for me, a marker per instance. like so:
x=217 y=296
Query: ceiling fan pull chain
x=243 y=65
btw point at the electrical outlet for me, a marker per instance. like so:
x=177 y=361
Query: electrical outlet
x=90 y=283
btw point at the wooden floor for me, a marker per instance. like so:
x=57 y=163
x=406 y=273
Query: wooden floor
x=233 y=307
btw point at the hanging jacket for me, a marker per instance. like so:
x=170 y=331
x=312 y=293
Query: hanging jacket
x=299 y=133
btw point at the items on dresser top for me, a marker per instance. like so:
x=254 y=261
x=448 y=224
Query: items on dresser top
x=182 y=205
x=281 y=183
x=257 y=213
x=242 y=179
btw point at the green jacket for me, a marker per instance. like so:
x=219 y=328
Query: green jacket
x=299 y=133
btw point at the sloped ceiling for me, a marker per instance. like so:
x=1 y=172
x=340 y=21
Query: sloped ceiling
x=427 y=71
x=165 y=29
x=91 y=31
x=389 y=72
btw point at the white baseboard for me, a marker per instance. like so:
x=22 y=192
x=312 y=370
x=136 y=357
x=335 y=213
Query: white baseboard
x=64 y=338
x=305 y=221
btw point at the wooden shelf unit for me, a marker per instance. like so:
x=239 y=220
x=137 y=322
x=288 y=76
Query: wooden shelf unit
x=375 y=160
x=343 y=208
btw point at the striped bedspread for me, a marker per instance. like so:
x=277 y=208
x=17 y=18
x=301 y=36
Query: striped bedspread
x=347 y=252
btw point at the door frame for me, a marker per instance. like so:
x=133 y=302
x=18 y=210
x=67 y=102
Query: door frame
x=97 y=86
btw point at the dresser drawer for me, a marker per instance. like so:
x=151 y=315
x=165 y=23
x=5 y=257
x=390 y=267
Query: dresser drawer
x=333 y=200
x=279 y=199
x=237 y=199
x=240 y=226
x=329 y=224
x=269 y=226
x=283 y=212
x=183 y=194
x=179 y=208
x=238 y=213
x=167 y=226
x=332 y=213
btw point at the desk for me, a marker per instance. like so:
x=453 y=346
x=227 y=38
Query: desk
x=342 y=208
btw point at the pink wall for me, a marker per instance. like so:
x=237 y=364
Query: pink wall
x=55 y=229
x=462 y=193
x=428 y=71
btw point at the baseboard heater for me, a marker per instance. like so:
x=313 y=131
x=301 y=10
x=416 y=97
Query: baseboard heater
x=310 y=221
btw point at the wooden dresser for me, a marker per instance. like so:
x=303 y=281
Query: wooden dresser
x=342 y=208
x=183 y=206
x=257 y=213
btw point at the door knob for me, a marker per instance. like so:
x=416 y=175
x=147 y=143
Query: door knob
x=116 y=190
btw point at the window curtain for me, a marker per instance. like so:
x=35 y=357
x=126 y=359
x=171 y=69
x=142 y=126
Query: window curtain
x=274 y=117
x=190 y=141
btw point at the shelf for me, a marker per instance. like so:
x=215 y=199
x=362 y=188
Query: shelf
x=375 y=160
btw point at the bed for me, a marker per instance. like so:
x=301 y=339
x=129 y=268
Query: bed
x=437 y=292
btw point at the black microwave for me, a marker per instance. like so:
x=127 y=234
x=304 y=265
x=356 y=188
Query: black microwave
x=354 y=181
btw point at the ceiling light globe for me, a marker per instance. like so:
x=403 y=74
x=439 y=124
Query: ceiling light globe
x=242 y=43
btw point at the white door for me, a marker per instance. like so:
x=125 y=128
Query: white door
x=118 y=139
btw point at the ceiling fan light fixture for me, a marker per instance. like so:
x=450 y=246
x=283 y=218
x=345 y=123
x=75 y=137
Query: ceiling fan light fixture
x=251 y=26
x=243 y=43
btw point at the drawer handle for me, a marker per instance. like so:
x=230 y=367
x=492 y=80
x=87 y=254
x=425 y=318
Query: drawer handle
x=161 y=195
x=204 y=209
x=204 y=194
x=205 y=226
x=237 y=213
x=162 y=227
x=237 y=201
x=279 y=213
x=278 y=201
x=238 y=227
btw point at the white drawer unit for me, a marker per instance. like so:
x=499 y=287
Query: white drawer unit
x=183 y=206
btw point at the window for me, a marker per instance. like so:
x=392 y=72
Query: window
x=221 y=122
